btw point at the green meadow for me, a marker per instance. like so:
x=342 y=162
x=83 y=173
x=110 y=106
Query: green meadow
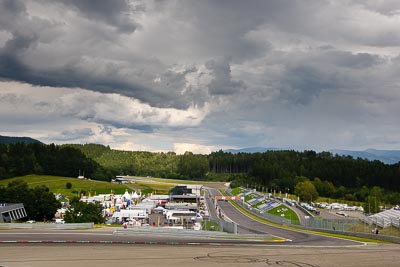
x=286 y=212
x=57 y=184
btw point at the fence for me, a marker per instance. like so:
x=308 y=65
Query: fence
x=225 y=225
x=66 y=226
x=229 y=227
x=183 y=232
x=356 y=227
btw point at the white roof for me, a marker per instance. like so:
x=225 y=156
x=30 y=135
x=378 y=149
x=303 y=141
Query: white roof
x=127 y=195
x=159 y=197
x=130 y=214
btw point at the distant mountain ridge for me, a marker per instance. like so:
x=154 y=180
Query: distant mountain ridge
x=247 y=150
x=14 y=140
x=385 y=156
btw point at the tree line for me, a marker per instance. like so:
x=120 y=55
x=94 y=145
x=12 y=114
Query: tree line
x=333 y=176
x=40 y=204
x=37 y=158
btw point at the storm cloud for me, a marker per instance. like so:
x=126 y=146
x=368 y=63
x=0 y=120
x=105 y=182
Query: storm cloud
x=203 y=74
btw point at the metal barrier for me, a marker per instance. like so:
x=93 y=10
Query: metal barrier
x=356 y=227
x=66 y=226
x=183 y=232
x=311 y=223
x=229 y=227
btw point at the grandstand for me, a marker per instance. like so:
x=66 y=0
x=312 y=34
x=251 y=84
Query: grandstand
x=268 y=205
x=245 y=193
x=255 y=201
x=385 y=218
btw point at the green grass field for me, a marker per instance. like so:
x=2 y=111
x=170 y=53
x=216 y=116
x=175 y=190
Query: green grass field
x=210 y=226
x=57 y=184
x=287 y=212
x=236 y=191
x=147 y=188
x=176 y=181
x=249 y=197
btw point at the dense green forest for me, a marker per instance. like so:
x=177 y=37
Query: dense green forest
x=329 y=175
x=40 y=204
x=21 y=159
x=138 y=163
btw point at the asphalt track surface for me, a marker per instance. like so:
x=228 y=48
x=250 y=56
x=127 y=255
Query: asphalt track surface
x=248 y=225
x=117 y=236
x=97 y=255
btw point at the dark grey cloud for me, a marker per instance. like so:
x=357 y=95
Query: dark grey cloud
x=72 y=75
x=106 y=129
x=302 y=83
x=222 y=82
x=26 y=34
x=76 y=134
x=214 y=29
x=117 y=13
x=306 y=76
x=344 y=59
x=10 y=10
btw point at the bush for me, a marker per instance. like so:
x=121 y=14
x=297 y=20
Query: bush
x=68 y=185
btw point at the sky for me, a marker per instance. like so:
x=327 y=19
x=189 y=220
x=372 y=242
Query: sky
x=200 y=76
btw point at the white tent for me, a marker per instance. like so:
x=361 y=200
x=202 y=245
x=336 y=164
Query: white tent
x=127 y=195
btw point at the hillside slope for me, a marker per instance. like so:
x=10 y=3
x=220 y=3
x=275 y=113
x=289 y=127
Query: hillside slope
x=14 y=140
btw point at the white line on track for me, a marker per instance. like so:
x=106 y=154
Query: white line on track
x=57 y=233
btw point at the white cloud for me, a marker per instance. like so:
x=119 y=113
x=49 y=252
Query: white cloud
x=126 y=112
x=181 y=148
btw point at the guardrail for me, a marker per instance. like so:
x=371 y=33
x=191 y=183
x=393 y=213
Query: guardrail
x=339 y=226
x=65 y=226
x=184 y=232
x=224 y=223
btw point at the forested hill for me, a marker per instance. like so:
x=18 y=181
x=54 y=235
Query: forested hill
x=340 y=175
x=331 y=175
x=14 y=140
x=139 y=163
x=21 y=159
x=386 y=156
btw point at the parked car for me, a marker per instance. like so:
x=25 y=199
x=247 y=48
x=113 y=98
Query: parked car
x=341 y=213
x=60 y=221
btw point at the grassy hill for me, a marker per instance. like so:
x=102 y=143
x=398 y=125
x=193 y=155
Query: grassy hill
x=57 y=184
